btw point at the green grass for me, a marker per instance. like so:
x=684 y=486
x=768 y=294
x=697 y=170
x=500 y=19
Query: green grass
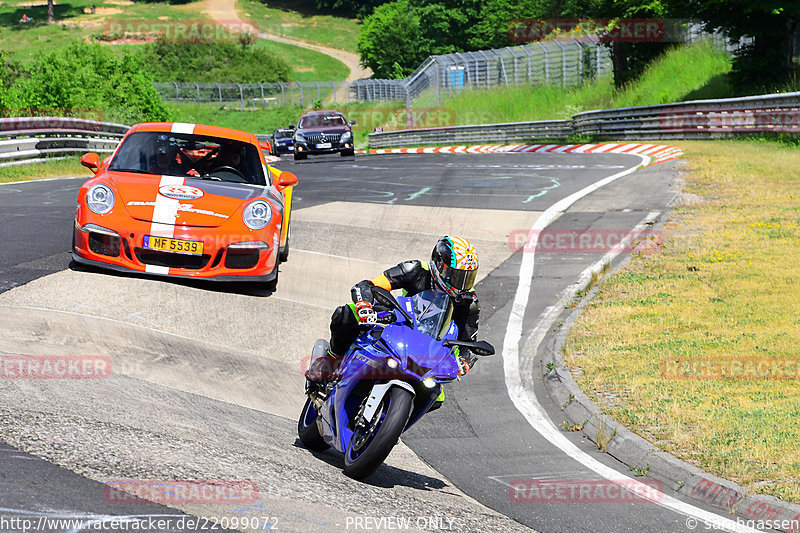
x=23 y=41
x=719 y=284
x=298 y=20
x=64 y=168
x=683 y=73
x=258 y=121
x=307 y=65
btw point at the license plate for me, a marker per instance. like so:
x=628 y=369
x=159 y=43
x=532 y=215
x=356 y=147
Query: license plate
x=173 y=245
x=324 y=145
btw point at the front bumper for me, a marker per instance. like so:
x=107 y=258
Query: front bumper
x=123 y=250
x=307 y=148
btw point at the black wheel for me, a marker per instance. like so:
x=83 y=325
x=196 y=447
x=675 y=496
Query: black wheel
x=283 y=255
x=307 y=429
x=299 y=157
x=370 y=446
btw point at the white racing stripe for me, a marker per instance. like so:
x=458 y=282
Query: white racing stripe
x=525 y=401
x=182 y=127
x=165 y=213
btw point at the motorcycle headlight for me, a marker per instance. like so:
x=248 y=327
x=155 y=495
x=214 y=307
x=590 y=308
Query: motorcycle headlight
x=100 y=199
x=257 y=215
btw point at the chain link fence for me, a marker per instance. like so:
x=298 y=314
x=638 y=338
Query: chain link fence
x=562 y=62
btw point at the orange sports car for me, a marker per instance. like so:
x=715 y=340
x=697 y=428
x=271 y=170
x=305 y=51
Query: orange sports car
x=188 y=200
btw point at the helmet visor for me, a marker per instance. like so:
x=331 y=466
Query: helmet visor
x=460 y=280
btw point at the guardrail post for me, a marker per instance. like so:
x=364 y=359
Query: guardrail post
x=219 y=89
x=302 y=102
x=580 y=59
x=348 y=91
x=409 y=119
x=283 y=95
x=263 y=101
x=197 y=87
x=319 y=95
x=546 y=63
x=177 y=93
x=563 y=63
x=530 y=63
x=241 y=95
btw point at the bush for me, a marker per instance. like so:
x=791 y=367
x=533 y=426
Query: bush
x=88 y=77
x=215 y=63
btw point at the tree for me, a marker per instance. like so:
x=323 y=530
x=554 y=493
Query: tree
x=766 y=63
x=391 y=43
x=50 y=14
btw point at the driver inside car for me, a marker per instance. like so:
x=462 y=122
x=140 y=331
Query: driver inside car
x=452 y=270
x=166 y=158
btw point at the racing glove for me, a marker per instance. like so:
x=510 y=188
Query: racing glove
x=366 y=314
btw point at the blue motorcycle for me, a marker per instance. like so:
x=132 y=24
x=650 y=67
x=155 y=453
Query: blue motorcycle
x=389 y=378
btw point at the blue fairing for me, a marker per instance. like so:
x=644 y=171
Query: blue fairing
x=419 y=356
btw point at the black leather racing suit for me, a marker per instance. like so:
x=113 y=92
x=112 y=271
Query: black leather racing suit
x=412 y=277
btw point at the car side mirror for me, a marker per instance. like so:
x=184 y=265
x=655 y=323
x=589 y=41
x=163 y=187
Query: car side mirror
x=286 y=179
x=91 y=161
x=352 y=122
x=291 y=126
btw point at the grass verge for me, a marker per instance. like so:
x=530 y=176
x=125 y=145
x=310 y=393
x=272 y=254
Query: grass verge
x=718 y=298
x=64 y=168
x=299 y=20
x=689 y=72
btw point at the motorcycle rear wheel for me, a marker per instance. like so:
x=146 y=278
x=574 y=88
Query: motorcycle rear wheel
x=367 y=451
x=307 y=429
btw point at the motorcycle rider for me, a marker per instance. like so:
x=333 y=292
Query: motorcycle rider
x=452 y=269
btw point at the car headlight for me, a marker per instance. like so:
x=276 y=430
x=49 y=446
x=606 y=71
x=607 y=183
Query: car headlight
x=100 y=199
x=346 y=136
x=257 y=215
x=298 y=137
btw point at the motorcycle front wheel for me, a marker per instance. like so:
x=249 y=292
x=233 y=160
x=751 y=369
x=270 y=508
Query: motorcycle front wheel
x=370 y=445
x=307 y=428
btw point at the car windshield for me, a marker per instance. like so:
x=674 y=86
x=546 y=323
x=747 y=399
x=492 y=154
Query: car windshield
x=283 y=134
x=184 y=154
x=433 y=311
x=322 y=121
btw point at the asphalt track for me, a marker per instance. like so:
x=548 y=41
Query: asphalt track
x=478 y=441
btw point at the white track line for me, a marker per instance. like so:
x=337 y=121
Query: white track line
x=526 y=402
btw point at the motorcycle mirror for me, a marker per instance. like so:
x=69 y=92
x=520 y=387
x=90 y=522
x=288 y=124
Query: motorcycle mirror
x=478 y=348
x=482 y=348
x=385 y=298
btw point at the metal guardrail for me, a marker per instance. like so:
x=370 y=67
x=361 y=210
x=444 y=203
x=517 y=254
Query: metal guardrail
x=512 y=132
x=698 y=119
x=25 y=140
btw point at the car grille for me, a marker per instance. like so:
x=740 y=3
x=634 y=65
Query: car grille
x=241 y=258
x=104 y=244
x=167 y=259
x=316 y=138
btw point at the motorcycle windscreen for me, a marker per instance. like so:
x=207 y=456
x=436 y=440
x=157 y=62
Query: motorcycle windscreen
x=433 y=311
